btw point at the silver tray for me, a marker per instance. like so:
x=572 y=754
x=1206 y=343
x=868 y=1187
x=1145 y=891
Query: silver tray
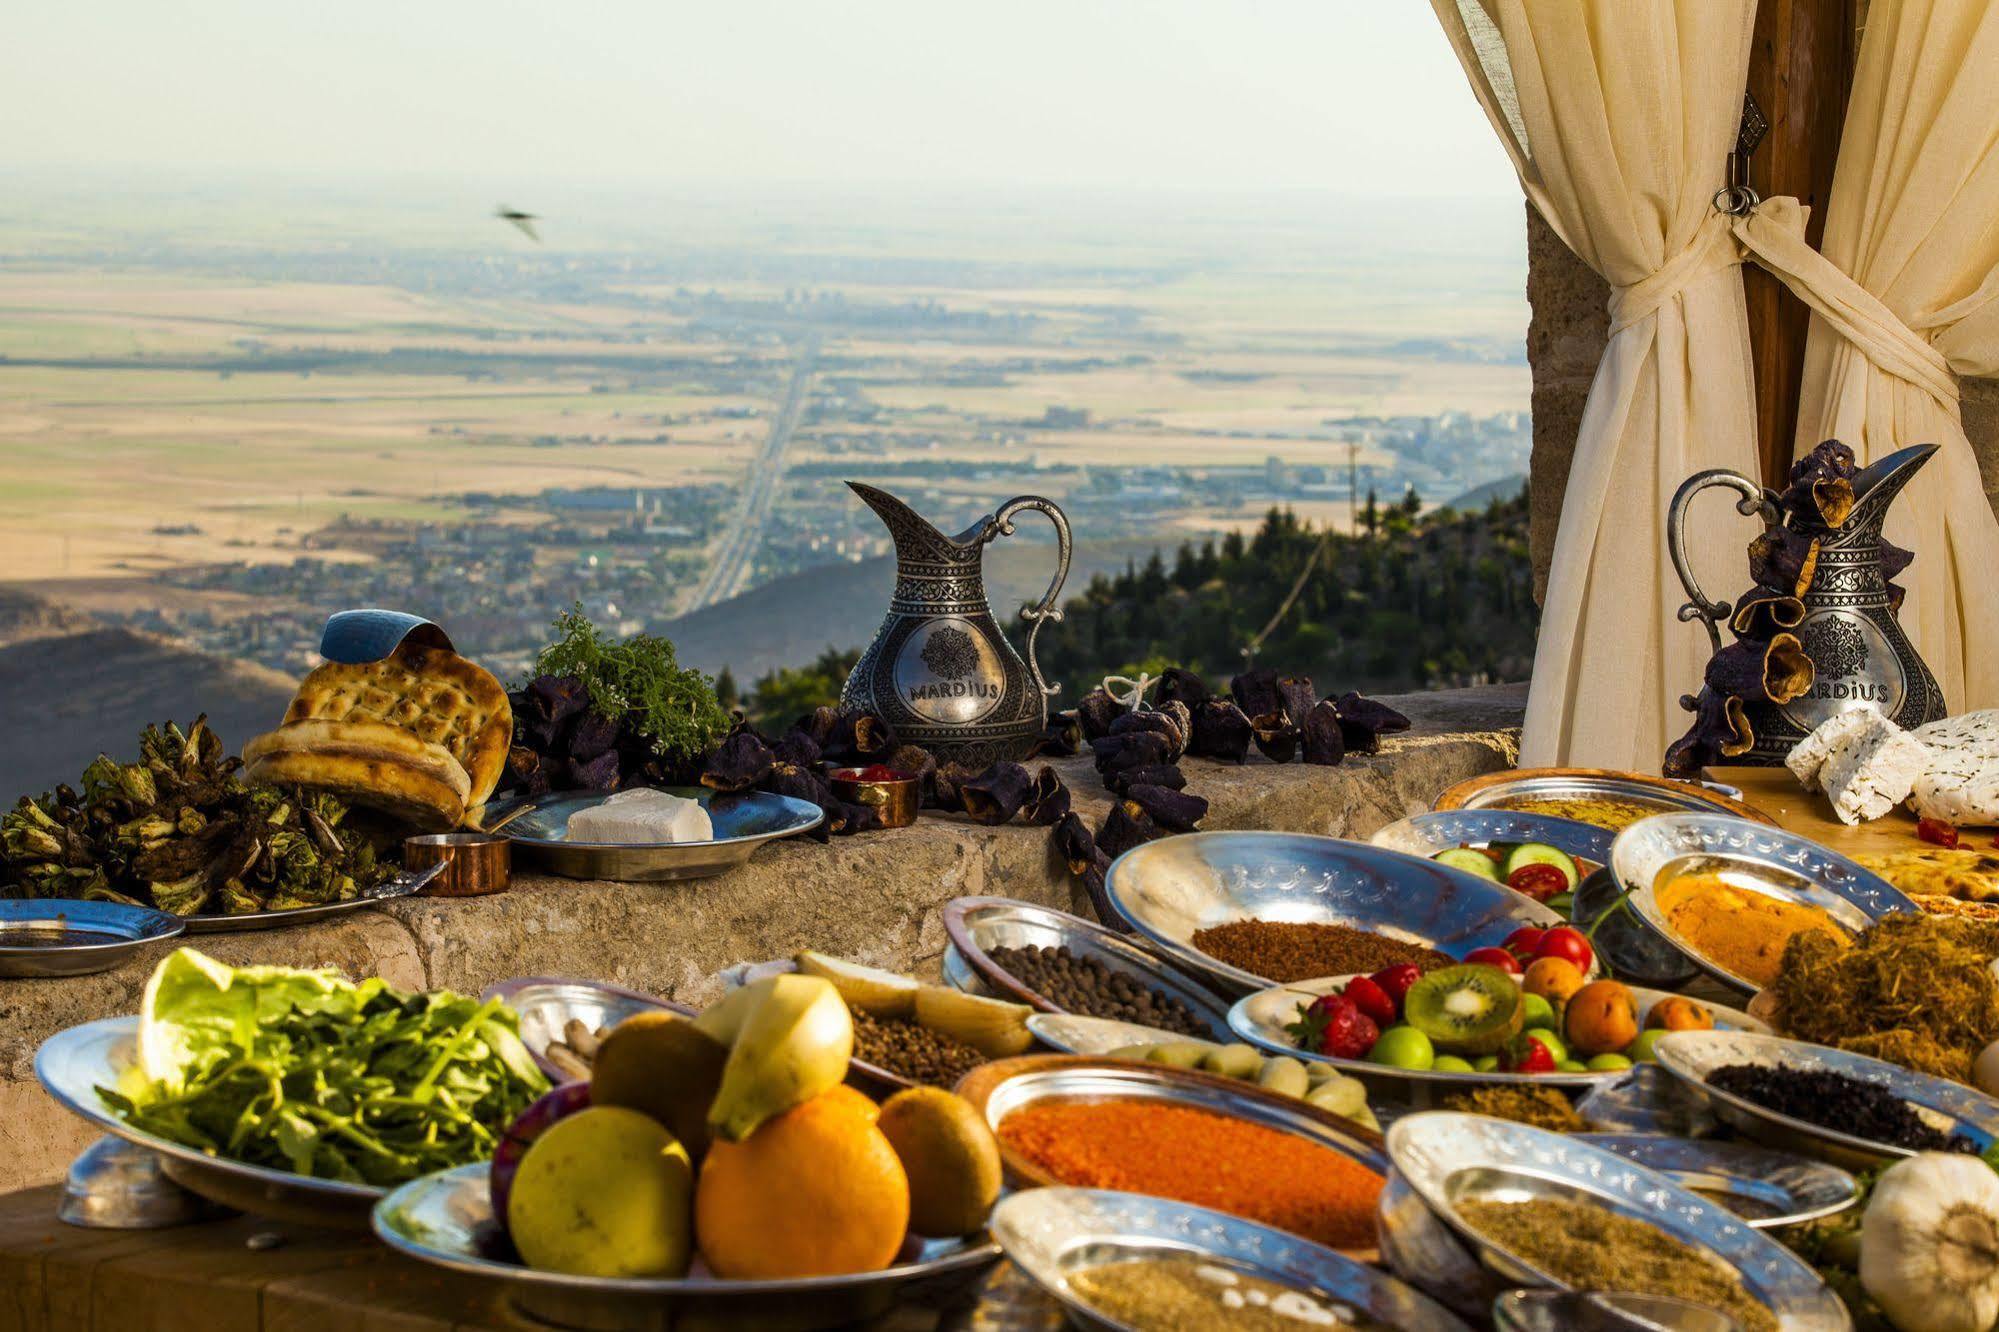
x=1784 y=865
x=69 y=937
x=1766 y=1188
x=742 y=824
x=73 y=1064
x=545 y=1005
x=1172 y=887
x=1441 y=829
x=1443 y=1159
x=1692 y=1055
x=1661 y=793
x=1072 y=1033
x=405 y=883
x=1051 y=1233
x=1260 y=1019
x=446 y=1220
x=1647 y=1099
x=975 y=924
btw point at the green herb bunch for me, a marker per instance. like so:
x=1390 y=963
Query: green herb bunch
x=640 y=683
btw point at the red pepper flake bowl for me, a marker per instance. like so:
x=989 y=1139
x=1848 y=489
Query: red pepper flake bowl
x=894 y=792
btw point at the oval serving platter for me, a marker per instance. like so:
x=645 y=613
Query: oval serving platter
x=446 y=1220
x=1771 y=861
x=1443 y=1159
x=976 y=924
x=1542 y=790
x=74 y=1063
x=1072 y=1033
x=742 y=823
x=42 y=937
x=1170 y=888
x=1260 y=1019
x=1768 y=1189
x=1441 y=829
x=1053 y=1233
x=404 y=883
x=1947 y=1106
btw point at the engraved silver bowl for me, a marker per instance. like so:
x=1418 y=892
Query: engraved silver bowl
x=72 y=937
x=742 y=823
x=1768 y=1189
x=547 y=1004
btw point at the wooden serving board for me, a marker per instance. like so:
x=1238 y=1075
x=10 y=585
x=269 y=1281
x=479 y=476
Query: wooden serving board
x=1777 y=793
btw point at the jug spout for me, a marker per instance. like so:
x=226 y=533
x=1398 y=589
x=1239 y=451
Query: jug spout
x=916 y=537
x=1881 y=481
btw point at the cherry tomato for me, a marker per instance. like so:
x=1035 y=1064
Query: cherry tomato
x=1495 y=957
x=1523 y=941
x=1539 y=882
x=1528 y=1056
x=1568 y=944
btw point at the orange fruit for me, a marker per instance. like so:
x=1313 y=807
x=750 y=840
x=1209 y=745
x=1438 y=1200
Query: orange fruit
x=1601 y=1018
x=1555 y=979
x=816 y=1191
x=854 y=1099
x=1679 y=1013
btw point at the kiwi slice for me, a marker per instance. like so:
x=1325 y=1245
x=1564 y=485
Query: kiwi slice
x=1465 y=1010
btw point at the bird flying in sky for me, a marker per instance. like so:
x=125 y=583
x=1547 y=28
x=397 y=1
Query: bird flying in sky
x=525 y=221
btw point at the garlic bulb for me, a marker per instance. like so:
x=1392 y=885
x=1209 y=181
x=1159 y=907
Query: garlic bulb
x=1929 y=1244
x=1985 y=1070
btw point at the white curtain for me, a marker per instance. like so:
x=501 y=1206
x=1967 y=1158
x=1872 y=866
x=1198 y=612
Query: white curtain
x=1619 y=115
x=1905 y=290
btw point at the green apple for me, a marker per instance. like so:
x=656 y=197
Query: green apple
x=1608 y=1063
x=1536 y=1012
x=1485 y=1063
x=1570 y=1066
x=1403 y=1047
x=1641 y=1050
x=1451 y=1064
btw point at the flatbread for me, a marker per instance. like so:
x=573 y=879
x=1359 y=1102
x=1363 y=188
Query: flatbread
x=1966 y=873
x=366 y=763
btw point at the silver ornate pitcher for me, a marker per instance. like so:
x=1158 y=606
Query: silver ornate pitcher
x=1860 y=656
x=940 y=671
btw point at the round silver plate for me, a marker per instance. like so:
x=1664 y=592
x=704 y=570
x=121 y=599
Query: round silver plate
x=1603 y=1311
x=1172 y=887
x=1072 y=1033
x=547 y=1004
x=1054 y=1232
x=1260 y=1019
x=1444 y=1159
x=73 y=1064
x=1660 y=793
x=1692 y=1056
x=404 y=883
x=1646 y=1099
x=745 y=973
x=1441 y=829
x=1766 y=1188
x=742 y=823
x=1781 y=864
x=42 y=937
x=446 y=1219
x=978 y=924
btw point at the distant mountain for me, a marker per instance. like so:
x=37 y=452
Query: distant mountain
x=791 y=620
x=67 y=697
x=1506 y=488
x=25 y=616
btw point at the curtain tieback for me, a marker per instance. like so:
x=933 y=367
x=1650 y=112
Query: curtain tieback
x=1775 y=236
x=1712 y=249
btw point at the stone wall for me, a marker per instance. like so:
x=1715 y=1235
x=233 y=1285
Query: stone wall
x=1566 y=336
x=875 y=898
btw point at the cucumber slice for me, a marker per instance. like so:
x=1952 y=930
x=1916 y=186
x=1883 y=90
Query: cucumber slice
x=1540 y=853
x=1472 y=861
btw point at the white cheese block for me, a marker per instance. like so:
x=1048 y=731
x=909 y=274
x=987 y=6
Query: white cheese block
x=1808 y=757
x=1873 y=771
x=1960 y=784
x=642 y=815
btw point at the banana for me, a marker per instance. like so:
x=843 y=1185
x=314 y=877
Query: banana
x=791 y=1044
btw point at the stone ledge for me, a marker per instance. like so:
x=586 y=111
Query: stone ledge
x=875 y=898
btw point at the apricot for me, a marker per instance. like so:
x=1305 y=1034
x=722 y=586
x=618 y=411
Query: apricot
x=1601 y=1018
x=1678 y=1013
x=1555 y=979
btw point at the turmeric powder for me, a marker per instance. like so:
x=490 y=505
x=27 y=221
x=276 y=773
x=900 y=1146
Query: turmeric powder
x=1740 y=931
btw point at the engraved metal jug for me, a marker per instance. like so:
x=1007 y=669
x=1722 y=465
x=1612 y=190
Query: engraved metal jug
x=1860 y=656
x=940 y=671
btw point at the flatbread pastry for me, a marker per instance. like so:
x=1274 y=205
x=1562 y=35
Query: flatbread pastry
x=1968 y=874
x=367 y=763
x=435 y=695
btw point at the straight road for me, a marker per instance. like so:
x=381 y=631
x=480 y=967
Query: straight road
x=739 y=544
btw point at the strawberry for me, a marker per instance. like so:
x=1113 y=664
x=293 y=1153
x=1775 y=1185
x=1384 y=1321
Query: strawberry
x=1372 y=1000
x=1333 y=1025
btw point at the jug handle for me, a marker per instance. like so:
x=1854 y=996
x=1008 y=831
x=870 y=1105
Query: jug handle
x=1755 y=501
x=1046 y=609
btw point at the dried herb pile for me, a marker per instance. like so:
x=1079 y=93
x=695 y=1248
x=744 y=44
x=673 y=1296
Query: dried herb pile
x=180 y=831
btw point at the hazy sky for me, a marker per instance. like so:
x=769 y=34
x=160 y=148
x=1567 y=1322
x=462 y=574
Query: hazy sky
x=1360 y=97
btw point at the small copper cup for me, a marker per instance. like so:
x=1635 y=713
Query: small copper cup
x=896 y=796
x=475 y=863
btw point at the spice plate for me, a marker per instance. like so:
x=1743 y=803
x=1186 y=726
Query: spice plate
x=1170 y=888
x=742 y=823
x=1692 y=1056
x=1543 y=790
x=74 y=1063
x=404 y=883
x=977 y=924
x=1771 y=861
x=547 y=1004
x=744 y=974
x=73 y=937
x=1766 y=1188
x=1260 y=1019
x=1072 y=1033
x=446 y=1220
x=1053 y=1233
x=1444 y=1160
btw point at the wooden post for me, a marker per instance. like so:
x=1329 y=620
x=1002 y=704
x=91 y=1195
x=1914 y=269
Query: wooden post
x=1800 y=73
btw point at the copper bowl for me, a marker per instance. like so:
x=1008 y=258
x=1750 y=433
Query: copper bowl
x=896 y=797
x=475 y=863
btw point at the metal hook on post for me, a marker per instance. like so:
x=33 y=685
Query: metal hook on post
x=1737 y=198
